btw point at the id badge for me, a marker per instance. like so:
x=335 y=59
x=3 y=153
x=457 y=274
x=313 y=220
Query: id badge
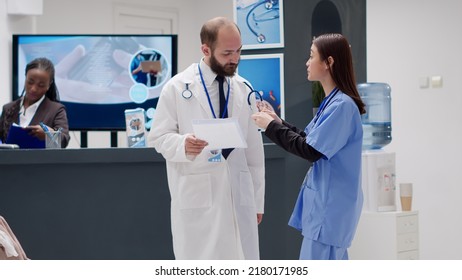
x=215 y=156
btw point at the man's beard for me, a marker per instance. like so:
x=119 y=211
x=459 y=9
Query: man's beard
x=228 y=70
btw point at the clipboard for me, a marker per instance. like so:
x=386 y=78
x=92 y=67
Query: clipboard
x=151 y=66
x=20 y=136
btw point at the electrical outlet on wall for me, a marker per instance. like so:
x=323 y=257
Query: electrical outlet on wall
x=423 y=82
x=437 y=81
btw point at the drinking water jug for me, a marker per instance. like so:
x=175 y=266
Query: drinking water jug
x=377 y=119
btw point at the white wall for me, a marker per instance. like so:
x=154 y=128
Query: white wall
x=10 y=24
x=407 y=40
x=4 y=54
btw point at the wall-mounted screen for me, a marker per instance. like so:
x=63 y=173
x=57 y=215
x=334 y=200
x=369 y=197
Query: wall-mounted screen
x=100 y=76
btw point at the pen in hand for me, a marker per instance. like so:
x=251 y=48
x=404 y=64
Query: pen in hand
x=45 y=129
x=36 y=131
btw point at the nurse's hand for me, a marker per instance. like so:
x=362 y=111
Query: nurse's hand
x=262 y=119
x=272 y=114
x=194 y=146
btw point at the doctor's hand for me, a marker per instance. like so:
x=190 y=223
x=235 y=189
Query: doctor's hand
x=194 y=146
x=262 y=119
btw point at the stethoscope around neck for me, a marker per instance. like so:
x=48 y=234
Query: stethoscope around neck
x=187 y=93
x=257 y=94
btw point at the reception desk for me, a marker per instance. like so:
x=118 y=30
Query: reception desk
x=112 y=203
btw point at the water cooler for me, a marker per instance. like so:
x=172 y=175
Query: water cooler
x=378 y=166
x=383 y=233
x=378 y=180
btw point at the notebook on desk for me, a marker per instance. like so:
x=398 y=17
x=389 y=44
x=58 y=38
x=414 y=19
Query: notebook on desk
x=20 y=136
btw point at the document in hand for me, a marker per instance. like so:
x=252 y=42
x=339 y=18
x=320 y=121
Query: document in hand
x=151 y=66
x=20 y=136
x=219 y=133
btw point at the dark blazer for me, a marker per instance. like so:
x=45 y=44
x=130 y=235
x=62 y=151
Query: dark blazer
x=51 y=113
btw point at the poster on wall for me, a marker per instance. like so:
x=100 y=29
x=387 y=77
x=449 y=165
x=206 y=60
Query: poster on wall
x=261 y=23
x=265 y=72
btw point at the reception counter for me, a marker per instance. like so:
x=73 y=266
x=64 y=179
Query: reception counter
x=111 y=203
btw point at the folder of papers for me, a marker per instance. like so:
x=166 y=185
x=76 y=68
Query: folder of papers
x=20 y=136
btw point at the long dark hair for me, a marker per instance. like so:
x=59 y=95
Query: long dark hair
x=45 y=64
x=336 y=46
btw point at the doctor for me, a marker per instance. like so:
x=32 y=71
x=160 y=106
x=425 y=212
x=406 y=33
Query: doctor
x=330 y=200
x=216 y=205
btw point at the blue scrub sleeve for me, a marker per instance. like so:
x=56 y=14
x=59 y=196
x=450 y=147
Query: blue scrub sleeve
x=333 y=128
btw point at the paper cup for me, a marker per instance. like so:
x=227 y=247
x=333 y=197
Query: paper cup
x=405 y=193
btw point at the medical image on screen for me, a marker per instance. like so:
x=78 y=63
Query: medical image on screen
x=149 y=67
x=260 y=22
x=267 y=80
x=99 y=76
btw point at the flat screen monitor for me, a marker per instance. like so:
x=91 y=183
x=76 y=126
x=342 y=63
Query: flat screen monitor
x=100 y=76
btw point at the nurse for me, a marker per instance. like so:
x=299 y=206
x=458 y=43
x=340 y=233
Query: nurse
x=330 y=200
x=217 y=197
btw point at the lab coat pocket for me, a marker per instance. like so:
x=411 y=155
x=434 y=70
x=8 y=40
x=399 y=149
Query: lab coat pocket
x=246 y=189
x=195 y=191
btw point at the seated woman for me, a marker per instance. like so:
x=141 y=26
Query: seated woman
x=39 y=104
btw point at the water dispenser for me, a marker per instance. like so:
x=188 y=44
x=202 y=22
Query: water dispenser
x=377 y=119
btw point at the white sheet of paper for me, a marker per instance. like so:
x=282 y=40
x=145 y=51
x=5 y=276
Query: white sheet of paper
x=219 y=133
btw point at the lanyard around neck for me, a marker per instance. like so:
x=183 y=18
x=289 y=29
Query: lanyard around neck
x=325 y=102
x=208 y=96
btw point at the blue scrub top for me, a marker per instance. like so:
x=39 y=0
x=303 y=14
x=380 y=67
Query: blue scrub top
x=330 y=200
x=139 y=77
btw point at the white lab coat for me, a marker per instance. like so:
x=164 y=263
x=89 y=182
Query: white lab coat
x=214 y=205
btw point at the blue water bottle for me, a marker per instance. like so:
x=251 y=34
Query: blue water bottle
x=377 y=119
